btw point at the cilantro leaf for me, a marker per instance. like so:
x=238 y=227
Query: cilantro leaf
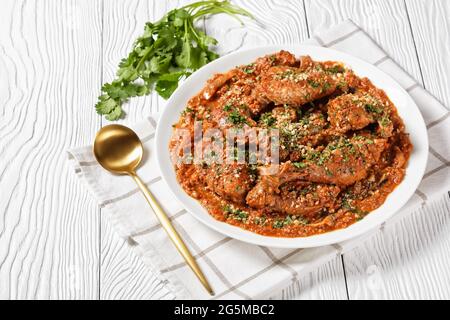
x=115 y=114
x=106 y=105
x=160 y=64
x=109 y=107
x=168 y=83
x=168 y=51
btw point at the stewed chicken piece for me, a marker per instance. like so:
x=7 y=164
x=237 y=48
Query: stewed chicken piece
x=230 y=181
x=342 y=163
x=237 y=88
x=356 y=111
x=297 y=86
x=298 y=198
x=352 y=112
x=295 y=129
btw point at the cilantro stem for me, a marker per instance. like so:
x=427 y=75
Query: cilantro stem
x=143 y=59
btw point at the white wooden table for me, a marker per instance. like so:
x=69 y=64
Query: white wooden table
x=54 y=56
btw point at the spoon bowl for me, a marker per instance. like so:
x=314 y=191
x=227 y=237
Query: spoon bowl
x=118 y=149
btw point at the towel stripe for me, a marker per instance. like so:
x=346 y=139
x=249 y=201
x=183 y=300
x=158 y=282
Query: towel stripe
x=152 y=122
x=197 y=256
x=433 y=123
x=439 y=156
x=422 y=195
x=411 y=88
x=430 y=173
x=209 y=262
x=128 y=194
x=279 y=262
x=319 y=40
x=257 y=274
x=337 y=40
x=87 y=163
x=380 y=61
x=149 y=137
x=156 y=226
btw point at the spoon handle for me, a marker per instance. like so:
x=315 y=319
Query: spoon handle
x=173 y=234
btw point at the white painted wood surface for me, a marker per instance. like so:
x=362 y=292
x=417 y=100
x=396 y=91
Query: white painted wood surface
x=50 y=62
x=54 y=55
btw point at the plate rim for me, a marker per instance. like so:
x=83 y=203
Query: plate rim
x=318 y=240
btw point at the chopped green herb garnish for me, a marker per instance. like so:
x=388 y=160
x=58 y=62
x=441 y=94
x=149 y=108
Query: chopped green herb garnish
x=335 y=69
x=278 y=224
x=249 y=69
x=227 y=107
x=385 y=120
x=307 y=96
x=373 y=109
x=288 y=220
x=313 y=83
x=261 y=221
x=236 y=118
x=341 y=85
x=236 y=214
x=268 y=119
x=299 y=165
x=186 y=111
x=360 y=214
x=326 y=86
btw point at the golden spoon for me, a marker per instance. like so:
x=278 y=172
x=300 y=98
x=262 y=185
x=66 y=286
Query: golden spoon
x=119 y=150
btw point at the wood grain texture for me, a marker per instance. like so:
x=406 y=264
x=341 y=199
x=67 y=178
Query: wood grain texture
x=385 y=21
x=326 y=282
x=430 y=23
x=124 y=275
x=49 y=226
x=277 y=22
x=409 y=260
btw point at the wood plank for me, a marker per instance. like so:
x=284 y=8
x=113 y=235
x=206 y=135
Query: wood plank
x=409 y=259
x=49 y=225
x=124 y=274
x=385 y=21
x=277 y=22
x=430 y=23
x=125 y=277
x=414 y=254
x=326 y=282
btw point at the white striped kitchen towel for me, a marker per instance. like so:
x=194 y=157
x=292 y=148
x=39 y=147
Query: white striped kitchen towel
x=236 y=269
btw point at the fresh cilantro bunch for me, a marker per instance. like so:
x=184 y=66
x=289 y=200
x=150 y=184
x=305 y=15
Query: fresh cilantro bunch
x=168 y=51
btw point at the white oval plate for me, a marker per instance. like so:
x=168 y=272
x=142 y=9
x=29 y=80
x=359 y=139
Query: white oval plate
x=406 y=107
